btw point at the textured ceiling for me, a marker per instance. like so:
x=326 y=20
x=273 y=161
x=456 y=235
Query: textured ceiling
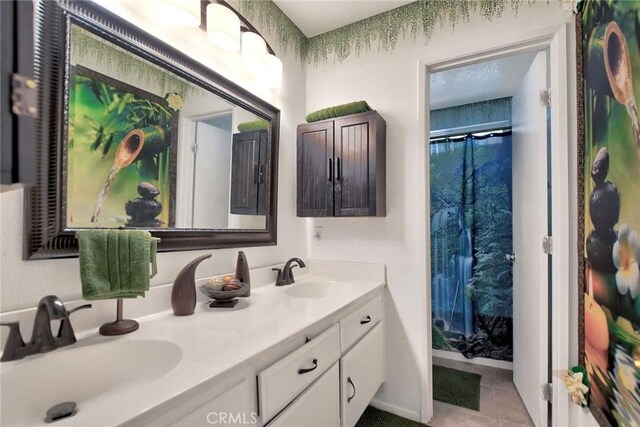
x=479 y=82
x=315 y=17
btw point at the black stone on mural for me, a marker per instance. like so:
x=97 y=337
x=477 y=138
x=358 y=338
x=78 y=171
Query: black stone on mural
x=599 y=248
x=143 y=210
x=604 y=206
x=604 y=210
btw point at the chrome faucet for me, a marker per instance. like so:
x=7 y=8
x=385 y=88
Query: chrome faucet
x=285 y=275
x=42 y=339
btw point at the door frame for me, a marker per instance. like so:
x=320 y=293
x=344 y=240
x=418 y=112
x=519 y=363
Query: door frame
x=563 y=143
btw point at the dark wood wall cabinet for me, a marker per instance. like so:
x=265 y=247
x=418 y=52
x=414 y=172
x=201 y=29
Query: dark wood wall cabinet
x=341 y=167
x=248 y=169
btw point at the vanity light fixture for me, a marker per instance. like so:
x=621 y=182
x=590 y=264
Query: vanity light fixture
x=223 y=27
x=230 y=31
x=184 y=13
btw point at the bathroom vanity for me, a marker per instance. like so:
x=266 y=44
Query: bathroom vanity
x=310 y=353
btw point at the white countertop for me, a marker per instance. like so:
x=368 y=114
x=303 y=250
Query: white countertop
x=205 y=346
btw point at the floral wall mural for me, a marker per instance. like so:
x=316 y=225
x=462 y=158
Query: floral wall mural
x=610 y=42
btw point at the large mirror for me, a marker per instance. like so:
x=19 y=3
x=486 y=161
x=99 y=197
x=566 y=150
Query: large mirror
x=148 y=139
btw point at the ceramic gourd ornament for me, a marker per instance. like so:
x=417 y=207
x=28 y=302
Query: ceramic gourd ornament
x=242 y=271
x=183 y=292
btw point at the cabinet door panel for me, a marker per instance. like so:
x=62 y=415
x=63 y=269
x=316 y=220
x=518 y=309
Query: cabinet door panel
x=315 y=174
x=318 y=406
x=245 y=155
x=361 y=374
x=355 y=151
x=263 y=174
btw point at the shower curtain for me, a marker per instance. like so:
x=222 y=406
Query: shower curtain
x=471 y=233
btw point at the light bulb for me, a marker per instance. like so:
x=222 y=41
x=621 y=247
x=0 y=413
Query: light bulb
x=274 y=71
x=254 y=51
x=223 y=27
x=183 y=13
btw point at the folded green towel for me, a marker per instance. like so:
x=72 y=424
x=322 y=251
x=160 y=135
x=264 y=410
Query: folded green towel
x=115 y=263
x=253 y=126
x=338 y=111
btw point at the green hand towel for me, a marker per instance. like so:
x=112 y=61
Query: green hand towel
x=140 y=257
x=253 y=126
x=94 y=267
x=115 y=263
x=153 y=254
x=338 y=111
x=124 y=259
x=113 y=258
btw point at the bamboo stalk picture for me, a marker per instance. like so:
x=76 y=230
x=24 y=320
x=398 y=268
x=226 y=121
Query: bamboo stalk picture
x=125 y=134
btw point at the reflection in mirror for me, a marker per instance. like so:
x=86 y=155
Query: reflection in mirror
x=147 y=148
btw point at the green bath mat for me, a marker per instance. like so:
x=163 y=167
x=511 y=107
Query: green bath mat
x=373 y=417
x=456 y=387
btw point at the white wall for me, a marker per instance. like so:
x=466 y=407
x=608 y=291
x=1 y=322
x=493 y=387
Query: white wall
x=23 y=283
x=389 y=82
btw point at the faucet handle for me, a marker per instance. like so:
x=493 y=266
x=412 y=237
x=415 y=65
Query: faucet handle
x=14 y=342
x=279 y=277
x=80 y=307
x=66 y=334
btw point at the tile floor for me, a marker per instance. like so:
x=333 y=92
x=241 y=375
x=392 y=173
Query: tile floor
x=500 y=403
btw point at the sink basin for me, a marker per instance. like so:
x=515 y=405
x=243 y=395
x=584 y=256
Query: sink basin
x=80 y=373
x=311 y=289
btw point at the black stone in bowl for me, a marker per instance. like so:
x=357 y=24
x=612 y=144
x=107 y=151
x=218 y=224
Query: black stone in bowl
x=221 y=294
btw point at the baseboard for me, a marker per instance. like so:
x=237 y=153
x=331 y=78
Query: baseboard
x=452 y=355
x=396 y=410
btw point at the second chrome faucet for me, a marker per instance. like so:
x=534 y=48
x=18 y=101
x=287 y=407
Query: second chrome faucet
x=285 y=275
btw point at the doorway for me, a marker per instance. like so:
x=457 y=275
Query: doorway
x=490 y=278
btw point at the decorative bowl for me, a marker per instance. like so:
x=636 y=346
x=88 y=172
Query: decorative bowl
x=217 y=293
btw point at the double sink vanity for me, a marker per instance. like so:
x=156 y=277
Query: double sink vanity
x=310 y=353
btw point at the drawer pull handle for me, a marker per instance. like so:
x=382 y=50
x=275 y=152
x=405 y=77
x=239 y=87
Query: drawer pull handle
x=354 y=390
x=365 y=320
x=305 y=370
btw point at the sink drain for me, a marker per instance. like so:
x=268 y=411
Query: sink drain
x=61 y=411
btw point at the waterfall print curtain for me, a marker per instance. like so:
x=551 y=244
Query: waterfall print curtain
x=471 y=232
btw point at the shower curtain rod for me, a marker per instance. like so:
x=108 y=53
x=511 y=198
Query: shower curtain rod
x=489 y=133
x=465 y=130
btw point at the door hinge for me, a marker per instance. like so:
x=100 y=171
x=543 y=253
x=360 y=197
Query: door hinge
x=545 y=97
x=547 y=392
x=24 y=96
x=547 y=245
x=194 y=148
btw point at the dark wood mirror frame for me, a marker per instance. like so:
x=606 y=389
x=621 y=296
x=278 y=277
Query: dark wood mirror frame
x=47 y=235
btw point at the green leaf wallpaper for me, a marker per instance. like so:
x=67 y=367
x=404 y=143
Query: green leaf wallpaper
x=381 y=31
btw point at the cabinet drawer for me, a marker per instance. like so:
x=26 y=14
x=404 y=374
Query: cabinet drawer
x=362 y=320
x=281 y=382
x=318 y=406
x=361 y=374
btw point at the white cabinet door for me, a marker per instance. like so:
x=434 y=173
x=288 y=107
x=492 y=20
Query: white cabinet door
x=233 y=407
x=361 y=374
x=318 y=406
